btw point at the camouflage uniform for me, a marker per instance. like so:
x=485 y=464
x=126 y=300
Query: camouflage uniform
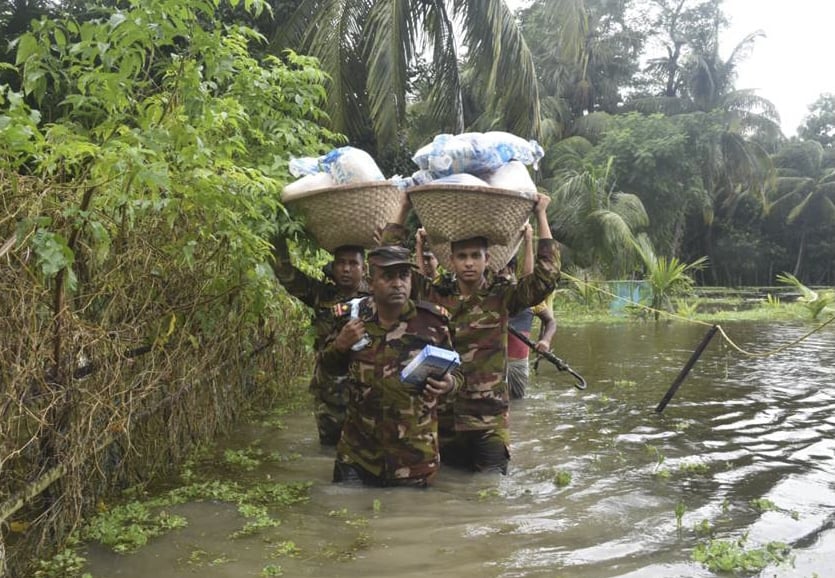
x=329 y=394
x=480 y=324
x=391 y=430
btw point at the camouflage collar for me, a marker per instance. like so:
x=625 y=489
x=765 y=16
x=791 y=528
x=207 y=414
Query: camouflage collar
x=408 y=312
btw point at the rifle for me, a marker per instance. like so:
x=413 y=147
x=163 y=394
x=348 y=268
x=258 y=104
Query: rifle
x=558 y=363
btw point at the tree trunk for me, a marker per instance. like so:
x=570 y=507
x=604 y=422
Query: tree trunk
x=800 y=252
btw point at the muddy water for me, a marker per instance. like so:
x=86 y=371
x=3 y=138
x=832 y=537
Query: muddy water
x=738 y=430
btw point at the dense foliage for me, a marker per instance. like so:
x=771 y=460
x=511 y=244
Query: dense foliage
x=142 y=151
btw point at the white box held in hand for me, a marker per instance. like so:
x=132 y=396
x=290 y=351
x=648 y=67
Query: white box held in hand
x=432 y=362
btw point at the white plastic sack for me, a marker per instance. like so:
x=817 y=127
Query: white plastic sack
x=512 y=176
x=475 y=153
x=345 y=165
x=306 y=183
x=461 y=179
x=351 y=165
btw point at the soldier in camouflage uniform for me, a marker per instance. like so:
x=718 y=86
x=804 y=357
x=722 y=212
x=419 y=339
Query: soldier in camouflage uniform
x=390 y=436
x=474 y=433
x=347 y=274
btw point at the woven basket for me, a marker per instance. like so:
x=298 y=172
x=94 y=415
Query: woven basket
x=455 y=212
x=347 y=214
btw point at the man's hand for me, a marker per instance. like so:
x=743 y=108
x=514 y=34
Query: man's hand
x=542 y=201
x=420 y=238
x=542 y=346
x=436 y=387
x=527 y=231
x=352 y=332
x=542 y=225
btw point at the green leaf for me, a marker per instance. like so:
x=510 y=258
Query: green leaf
x=27 y=45
x=52 y=252
x=60 y=38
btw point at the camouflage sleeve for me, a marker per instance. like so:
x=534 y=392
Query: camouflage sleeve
x=332 y=360
x=535 y=288
x=306 y=289
x=457 y=374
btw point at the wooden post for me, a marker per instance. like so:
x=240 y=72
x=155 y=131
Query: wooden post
x=686 y=369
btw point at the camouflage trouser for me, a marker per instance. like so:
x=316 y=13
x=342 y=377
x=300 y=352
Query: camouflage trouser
x=330 y=398
x=478 y=450
x=518 y=373
x=329 y=420
x=352 y=473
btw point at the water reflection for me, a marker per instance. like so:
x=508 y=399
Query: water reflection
x=738 y=430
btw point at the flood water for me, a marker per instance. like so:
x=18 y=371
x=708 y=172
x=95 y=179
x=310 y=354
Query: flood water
x=739 y=429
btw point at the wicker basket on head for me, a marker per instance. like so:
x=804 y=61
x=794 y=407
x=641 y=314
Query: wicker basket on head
x=347 y=214
x=452 y=212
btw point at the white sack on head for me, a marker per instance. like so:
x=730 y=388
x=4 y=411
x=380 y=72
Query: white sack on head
x=351 y=165
x=475 y=153
x=305 y=184
x=513 y=176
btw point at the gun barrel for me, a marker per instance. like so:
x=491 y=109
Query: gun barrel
x=558 y=363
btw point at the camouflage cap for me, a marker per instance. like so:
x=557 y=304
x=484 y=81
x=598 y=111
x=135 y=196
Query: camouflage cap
x=389 y=256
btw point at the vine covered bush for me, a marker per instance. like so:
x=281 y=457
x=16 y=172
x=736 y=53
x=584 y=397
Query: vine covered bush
x=141 y=160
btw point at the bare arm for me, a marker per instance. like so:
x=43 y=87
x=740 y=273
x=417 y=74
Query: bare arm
x=527 y=264
x=542 y=216
x=548 y=328
x=420 y=239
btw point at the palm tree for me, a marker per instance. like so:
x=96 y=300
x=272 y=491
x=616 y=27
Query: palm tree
x=805 y=184
x=368 y=48
x=665 y=277
x=598 y=223
x=734 y=159
x=815 y=302
x=585 y=52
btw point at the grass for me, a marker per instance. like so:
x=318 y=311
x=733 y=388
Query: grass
x=700 y=309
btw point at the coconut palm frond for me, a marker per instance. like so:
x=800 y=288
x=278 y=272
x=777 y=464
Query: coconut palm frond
x=495 y=44
x=631 y=210
x=390 y=46
x=446 y=105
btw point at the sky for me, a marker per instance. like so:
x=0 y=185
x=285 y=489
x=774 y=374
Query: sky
x=792 y=65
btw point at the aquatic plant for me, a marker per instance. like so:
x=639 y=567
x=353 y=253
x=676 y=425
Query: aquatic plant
x=257 y=519
x=286 y=548
x=680 y=509
x=247 y=458
x=65 y=564
x=271 y=570
x=732 y=555
x=703 y=528
x=562 y=479
x=694 y=468
x=764 y=505
x=128 y=527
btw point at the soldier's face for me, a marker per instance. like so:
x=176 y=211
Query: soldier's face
x=469 y=260
x=430 y=262
x=348 y=269
x=391 y=285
